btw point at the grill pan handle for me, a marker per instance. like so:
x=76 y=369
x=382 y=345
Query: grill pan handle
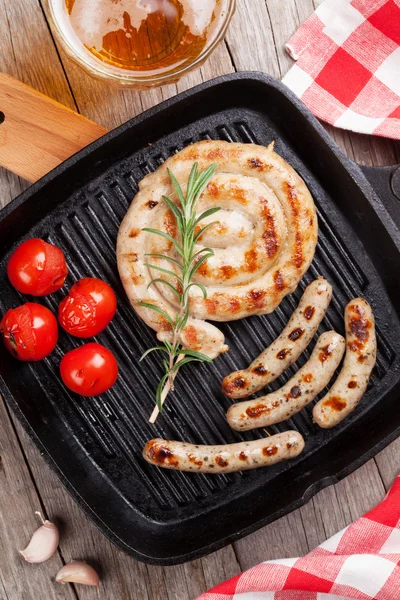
x=37 y=133
x=386 y=183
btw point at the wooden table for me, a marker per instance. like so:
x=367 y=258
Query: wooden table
x=255 y=41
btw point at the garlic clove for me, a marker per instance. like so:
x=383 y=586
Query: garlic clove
x=78 y=572
x=43 y=543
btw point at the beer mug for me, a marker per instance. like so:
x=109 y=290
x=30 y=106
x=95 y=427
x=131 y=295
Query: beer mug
x=140 y=43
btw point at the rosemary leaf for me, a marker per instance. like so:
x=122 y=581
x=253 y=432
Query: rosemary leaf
x=164 y=282
x=173 y=260
x=196 y=354
x=166 y=271
x=161 y=348
x=166 y=236
x=186 y=221
x=157 y=309
x=199 y=285
x=207 y=213
x=200 y=233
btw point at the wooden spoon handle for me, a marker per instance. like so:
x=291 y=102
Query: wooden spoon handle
x=37 y=133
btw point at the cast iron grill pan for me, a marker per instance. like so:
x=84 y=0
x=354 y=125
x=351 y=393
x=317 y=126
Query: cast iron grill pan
x=95 y=444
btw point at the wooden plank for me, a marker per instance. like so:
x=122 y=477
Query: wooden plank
x=122 y=577
x=388 y=462
x=253 y=45
x=250 y=38
x=18 y=503
x=327 y=513
x=28 y=53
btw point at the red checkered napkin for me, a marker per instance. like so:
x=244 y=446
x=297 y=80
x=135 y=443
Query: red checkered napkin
x=362 y=561
x=347 y=67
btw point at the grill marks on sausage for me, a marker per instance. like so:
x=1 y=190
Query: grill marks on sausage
x=336 y=403
x=291 y=195
x=227 y=271
x=282 y=354
x=251 y=260
x=296 y=334
x=242 y=456
x=270 y=450
x=352 y=384
x=162 y=455
x=308 y=377
x=239 y=382
x=151 y=204
x=359 y=327
x=298 y=254
x=212 y=305
x=256 y=411
x=196 y=461
x=191 y=337
x=255 y=299
x=325 y=353
x=255 y=163
x=214 y=154
x=309 y=312
x=270 y=235
x=169 y=223
x=295 y=392
x=237 y=193
x=221 y=462
x=260 y=370
x=355 y=346
x=279 y=282
x=213 y=190
x=134 y=232
x=234 y=305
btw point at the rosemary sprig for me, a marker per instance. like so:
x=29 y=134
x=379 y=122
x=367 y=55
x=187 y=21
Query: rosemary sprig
x=186 y=264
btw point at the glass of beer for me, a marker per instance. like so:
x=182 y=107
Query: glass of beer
x=141 y=43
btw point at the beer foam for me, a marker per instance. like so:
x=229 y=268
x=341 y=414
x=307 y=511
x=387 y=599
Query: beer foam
x=93 y=19
x=197 y=14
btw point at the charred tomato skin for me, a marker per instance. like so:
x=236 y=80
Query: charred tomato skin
x=29 y=331
x=37 y=268
x=88 y=308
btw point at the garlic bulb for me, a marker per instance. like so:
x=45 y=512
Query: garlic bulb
x=78 y=572
x=43 y=543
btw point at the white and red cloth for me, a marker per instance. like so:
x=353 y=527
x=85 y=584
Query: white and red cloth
x=347 y=67
x=362 y=562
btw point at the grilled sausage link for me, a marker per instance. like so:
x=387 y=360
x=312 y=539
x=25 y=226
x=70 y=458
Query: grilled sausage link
x=352 y=381
x=286 y=349
x=228 y=458
x=299 y=391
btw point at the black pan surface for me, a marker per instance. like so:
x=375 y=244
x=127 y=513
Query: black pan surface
x=94 y=444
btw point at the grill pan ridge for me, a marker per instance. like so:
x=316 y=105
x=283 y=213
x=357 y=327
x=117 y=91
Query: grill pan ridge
x=94 y=444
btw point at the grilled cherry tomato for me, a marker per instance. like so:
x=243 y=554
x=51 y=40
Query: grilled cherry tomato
x=89 y=370
x=88 y=308
x=30 y=331
x=37 y=268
